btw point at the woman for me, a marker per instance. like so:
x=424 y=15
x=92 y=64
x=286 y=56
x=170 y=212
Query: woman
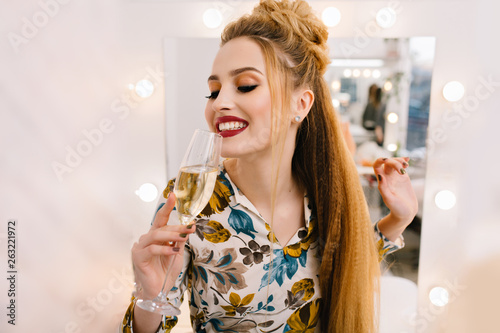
x=373 y=116
x=285 y=243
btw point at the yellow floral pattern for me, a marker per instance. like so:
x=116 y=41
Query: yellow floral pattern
x=219 y=234
x=295 y=250
x=219 y=199
x=304 y=319
x=237 y=304
x=305 y=285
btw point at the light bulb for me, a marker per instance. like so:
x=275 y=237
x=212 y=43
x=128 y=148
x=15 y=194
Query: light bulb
x=347 y=72
x=212 y=18
x=439 y=296
x=331 y=16
x=453 y=91
x=367 y=73
x=386 y=17
x=445 y=199
x=376 y=74
x=387 y=86
x=144 y=88
x=147 y=192
x=356 y=73
x=392 y=118
x=336 y=85
x=392 y=147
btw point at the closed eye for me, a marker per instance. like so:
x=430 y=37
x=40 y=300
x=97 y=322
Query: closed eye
x=246 y=89
x=213 y=95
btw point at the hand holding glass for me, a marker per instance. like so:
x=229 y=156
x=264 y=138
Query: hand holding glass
x=193 y=188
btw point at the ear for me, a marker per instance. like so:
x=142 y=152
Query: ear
x=304 y=99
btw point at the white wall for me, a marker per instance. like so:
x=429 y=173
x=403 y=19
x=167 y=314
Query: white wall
x=74 y=235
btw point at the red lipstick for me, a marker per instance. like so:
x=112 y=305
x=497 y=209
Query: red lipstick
x=227 y=119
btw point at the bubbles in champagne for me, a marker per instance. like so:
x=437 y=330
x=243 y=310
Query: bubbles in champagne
x=193 y=188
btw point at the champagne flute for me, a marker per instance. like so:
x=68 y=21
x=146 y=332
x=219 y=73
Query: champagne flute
x=193 y=188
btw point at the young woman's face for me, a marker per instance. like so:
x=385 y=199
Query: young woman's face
x=239 y=104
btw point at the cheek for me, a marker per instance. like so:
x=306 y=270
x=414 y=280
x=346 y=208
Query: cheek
x=209 y=116
x=262 y=110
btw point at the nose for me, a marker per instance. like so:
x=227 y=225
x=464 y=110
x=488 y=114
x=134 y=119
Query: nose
x=223 y=102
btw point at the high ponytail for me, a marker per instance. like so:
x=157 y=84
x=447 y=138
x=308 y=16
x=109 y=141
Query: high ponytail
x=294 y=44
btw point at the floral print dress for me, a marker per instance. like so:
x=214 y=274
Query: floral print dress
x=234 y=284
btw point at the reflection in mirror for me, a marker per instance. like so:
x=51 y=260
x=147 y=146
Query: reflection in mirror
x=397 y=115
x=382 y=91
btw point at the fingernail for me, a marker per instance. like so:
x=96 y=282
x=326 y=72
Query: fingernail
x=403 y=171
x=190 y=226
x=183 y=235
x=384 y=159
x=379 y=178
x=405 y=164
x=176 y=249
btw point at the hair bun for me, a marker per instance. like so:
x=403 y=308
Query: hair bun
x=299 y=19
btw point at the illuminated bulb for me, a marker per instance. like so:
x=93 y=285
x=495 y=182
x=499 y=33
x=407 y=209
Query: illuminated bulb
x=144 y=88
x=387 y=86
x=367 y=73
x=453 y=91
x=131 y=86
x=392 y=118
x=439 y=296
x=331 y=16
x=347 y=72
x=386 y=17
x=445 y=199
x=392 y=147
x=376 y=74
x=336 y=85
x=212 y=18
x=147 y=192
x=336 y=103
x=356 y=73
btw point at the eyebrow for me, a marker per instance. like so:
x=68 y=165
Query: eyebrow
x=235 y=72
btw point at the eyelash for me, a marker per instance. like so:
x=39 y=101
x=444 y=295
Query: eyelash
x=213 y=95
x=243 y=89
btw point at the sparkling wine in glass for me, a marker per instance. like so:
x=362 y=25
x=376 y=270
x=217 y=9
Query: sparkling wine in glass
x=193 y=188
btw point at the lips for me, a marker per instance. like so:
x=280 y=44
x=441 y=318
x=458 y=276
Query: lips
x=228 y=126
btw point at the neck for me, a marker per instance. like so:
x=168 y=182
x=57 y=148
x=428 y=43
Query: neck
x=253 y=176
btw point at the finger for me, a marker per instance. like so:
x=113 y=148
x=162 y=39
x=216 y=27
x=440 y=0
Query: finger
x=381 y=184
x=162 y=250
x=404 y=161
x=378 y=165
x=174 y=234
x=387 y=165
x=163 y=214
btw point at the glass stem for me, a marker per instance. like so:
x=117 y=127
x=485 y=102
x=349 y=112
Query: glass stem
x=162 y=296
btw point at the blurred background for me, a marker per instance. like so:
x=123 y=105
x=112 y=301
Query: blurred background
x=98 y=100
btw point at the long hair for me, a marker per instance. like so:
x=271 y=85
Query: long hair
x=294 y=44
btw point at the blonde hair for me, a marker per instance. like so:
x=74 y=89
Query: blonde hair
x=294 y=43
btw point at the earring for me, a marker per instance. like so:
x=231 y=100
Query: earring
x=297 y=118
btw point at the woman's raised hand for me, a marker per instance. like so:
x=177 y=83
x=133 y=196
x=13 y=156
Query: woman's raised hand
x=152 y=254
x=396 y=188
